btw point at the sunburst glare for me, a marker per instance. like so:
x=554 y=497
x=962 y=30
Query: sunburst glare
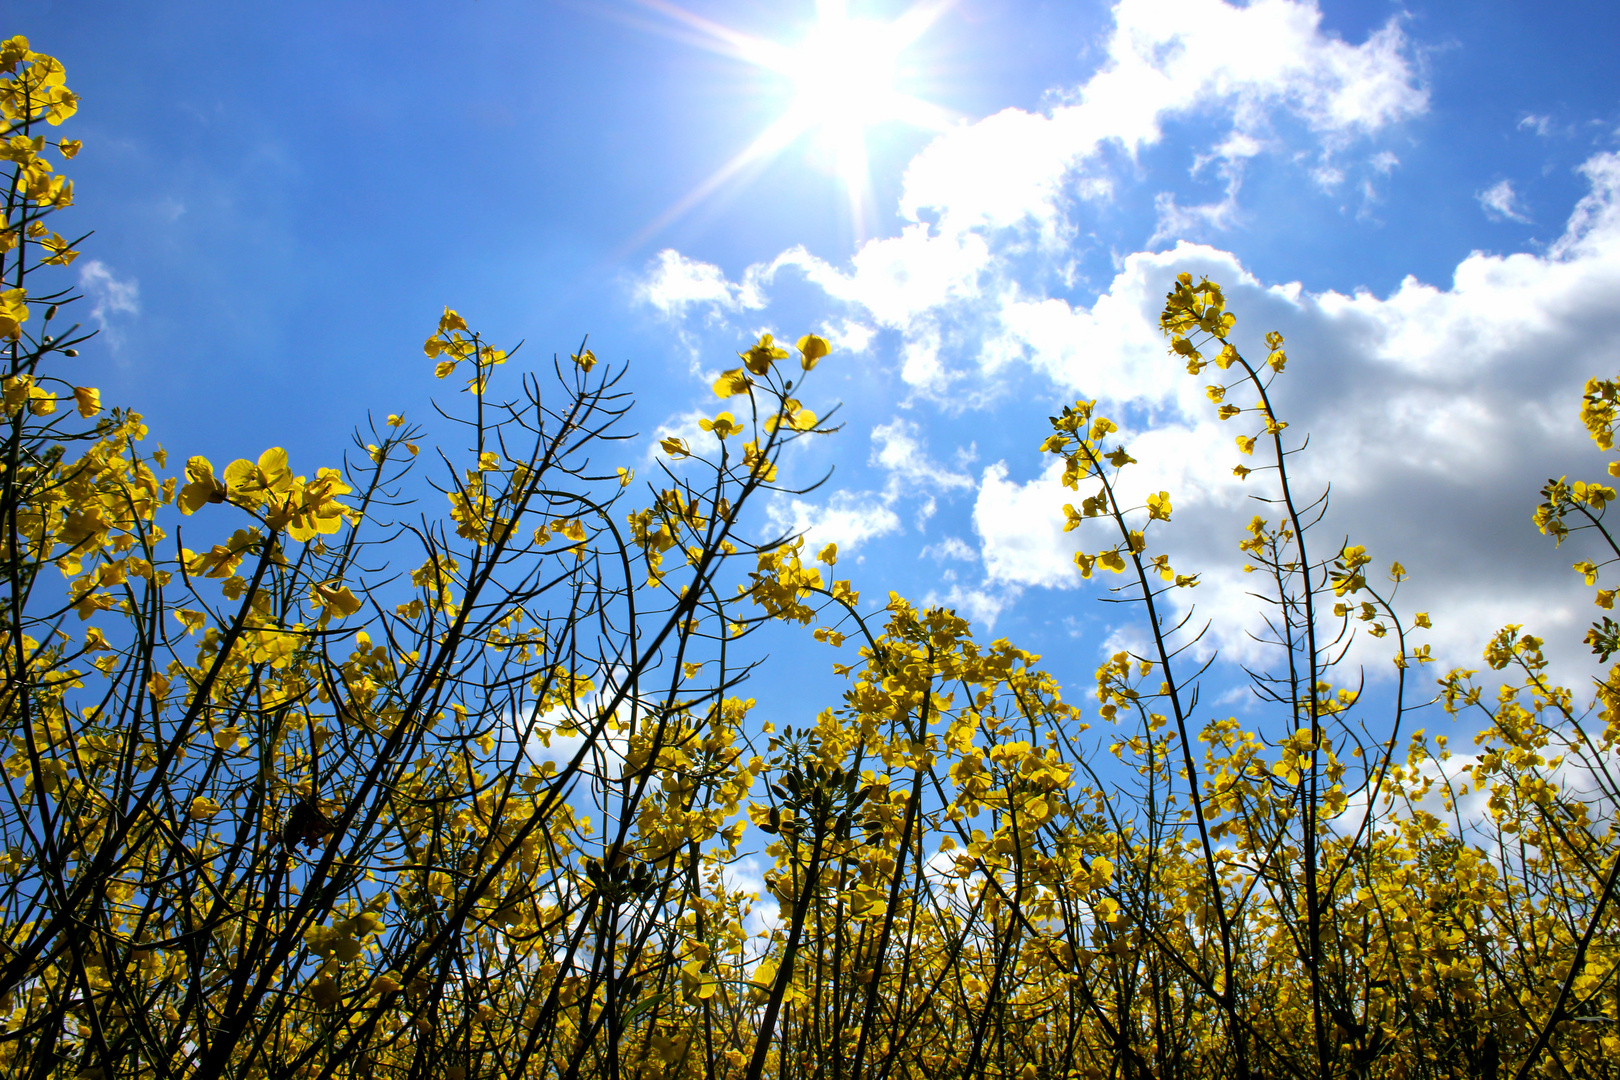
x=848 y=77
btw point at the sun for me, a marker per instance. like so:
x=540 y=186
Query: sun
x=844 y=74
x=848 y=77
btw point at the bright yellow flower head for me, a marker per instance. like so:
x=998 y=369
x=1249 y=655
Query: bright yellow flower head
x=764 y=353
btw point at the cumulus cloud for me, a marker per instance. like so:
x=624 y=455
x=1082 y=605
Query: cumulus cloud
x=849 y=336
x=685 y=427
x=984 y=198
x=1501 y=202
x=1436 y=410
x=1020 y=529
x=1456 y=797
x=1436 y=413
x=1166 y=59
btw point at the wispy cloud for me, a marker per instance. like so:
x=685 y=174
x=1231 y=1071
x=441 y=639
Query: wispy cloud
x=1176 y=222
x=848 y=519
x=1501 y=202
x=853 y=518
x=110 y=296
x=899 y=449
x=1541 y=125
x=675 y=284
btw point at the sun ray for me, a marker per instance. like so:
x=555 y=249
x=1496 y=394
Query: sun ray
x=770 y=142
x=719 y=38
x=916 y=20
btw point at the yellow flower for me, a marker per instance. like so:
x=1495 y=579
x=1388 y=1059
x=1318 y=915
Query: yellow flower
x=202 y=488
x=723 y=425
x=732 y=383
x=812 y=349
x=13 y=312
x=60 y=253
x=765 y=352
x=334 y=598
x=13 y=51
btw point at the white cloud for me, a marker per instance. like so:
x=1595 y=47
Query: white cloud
x=1113 y=349
x=1001 y=170
x=674 y=283
x=110 y=296
x=1169 y=57
x=850 y=337
x=984 y=196
x=1020 y=529
x=851 y=518
x=952 y=548
x=896 y=279
x=1501 y=202
x=683 y=290
x=1436 y=413
x=604 y=756
x=1541 y=125
x=899 y=448
x=1176 y=221
x=747 y=875
x=1594 y=226
x=683 y=426
x=1456 y=797
x=981 y=605
x=848 y=519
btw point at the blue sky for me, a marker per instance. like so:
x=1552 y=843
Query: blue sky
x=1424 y=198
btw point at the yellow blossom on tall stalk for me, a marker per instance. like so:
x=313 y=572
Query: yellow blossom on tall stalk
x=343 y=791
x=267 y=800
